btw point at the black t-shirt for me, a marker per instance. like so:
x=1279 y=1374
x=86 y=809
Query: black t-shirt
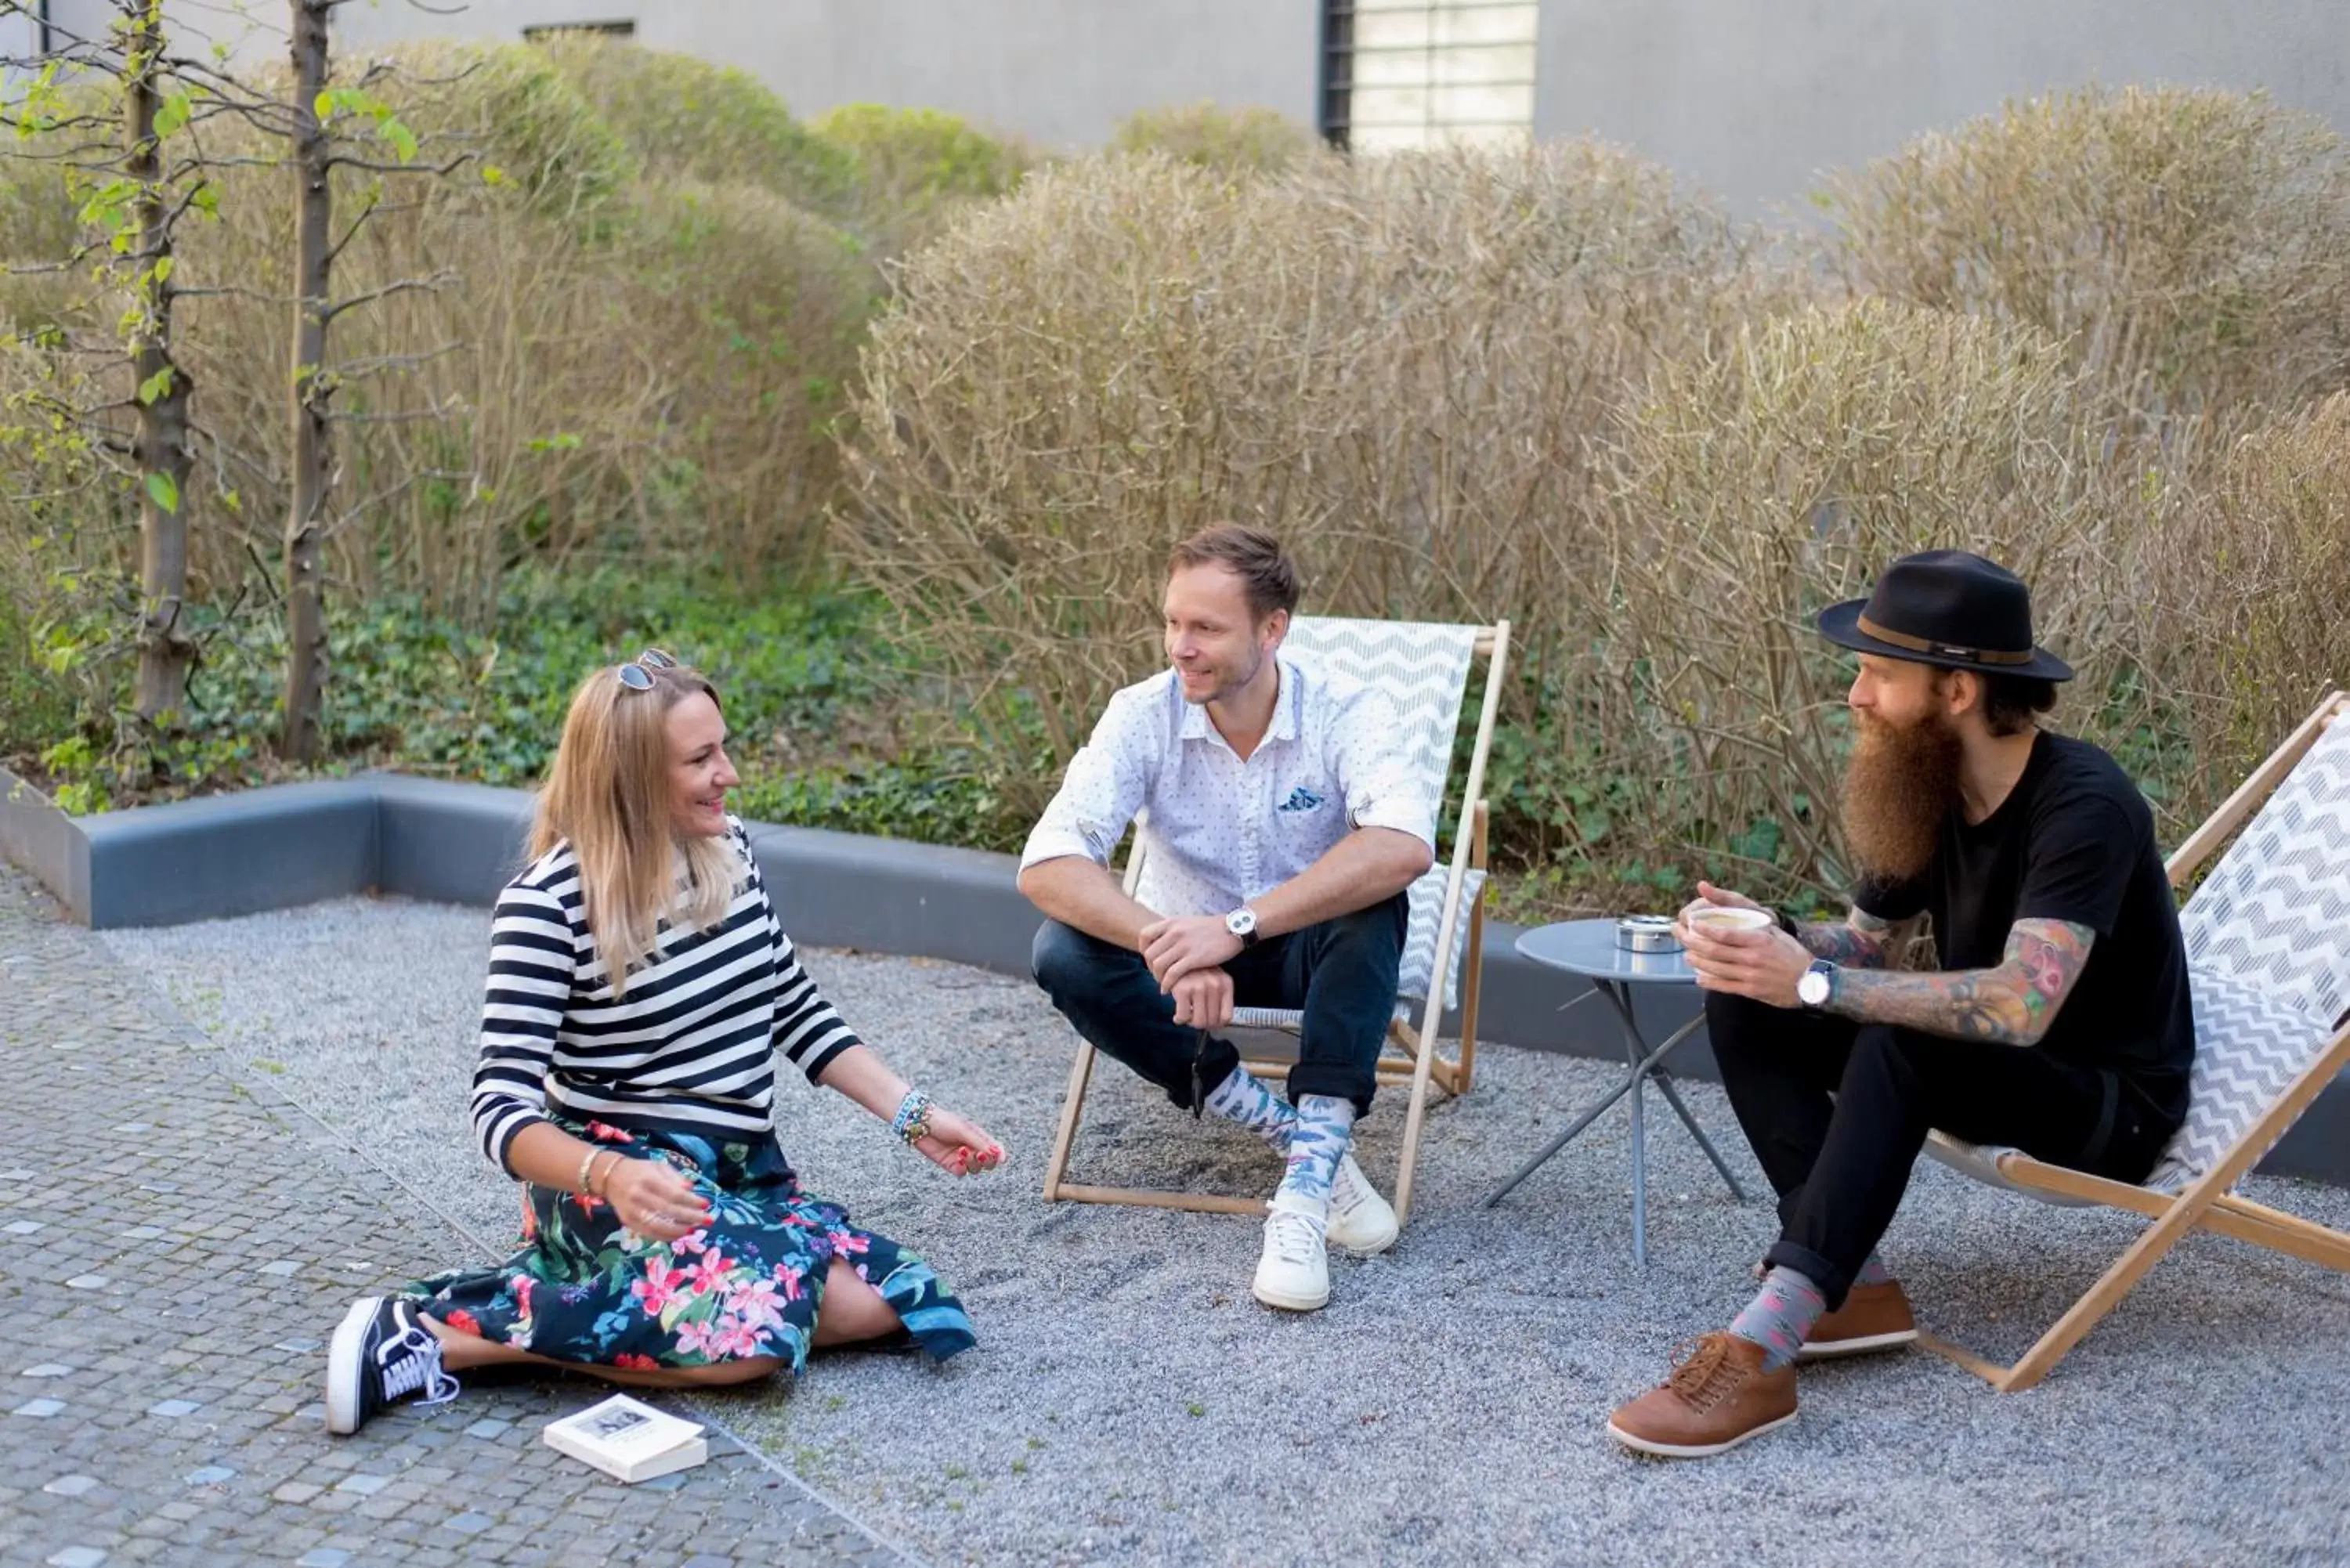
x=2073 y=842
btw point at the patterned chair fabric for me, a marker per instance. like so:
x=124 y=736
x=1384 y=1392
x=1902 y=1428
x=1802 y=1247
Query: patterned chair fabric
x=2249 y=1045
x=2275 y=911
x=1423 y=668
x=2268 y=955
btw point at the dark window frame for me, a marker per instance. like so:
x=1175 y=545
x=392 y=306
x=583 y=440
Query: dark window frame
x=539 y=31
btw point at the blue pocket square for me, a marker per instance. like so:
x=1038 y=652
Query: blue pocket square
x=1300 y=799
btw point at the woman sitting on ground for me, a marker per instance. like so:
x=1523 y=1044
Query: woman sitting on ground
x=639 y=986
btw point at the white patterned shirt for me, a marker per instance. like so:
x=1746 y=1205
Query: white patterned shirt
x=1221 y=831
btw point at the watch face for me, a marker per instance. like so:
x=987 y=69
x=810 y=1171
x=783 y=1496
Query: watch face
x=1813 y=988
x=1241 y=922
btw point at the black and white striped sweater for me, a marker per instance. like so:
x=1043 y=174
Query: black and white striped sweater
x=689 y=1048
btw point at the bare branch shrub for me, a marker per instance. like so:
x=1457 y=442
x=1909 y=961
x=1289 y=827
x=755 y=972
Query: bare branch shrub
x=1232 y=140
x=2245 y=596
x=2190 y=249
x=620 y=365
x=1401 y=365
x=685 y=116
x=1761 y=482
x=916 y=170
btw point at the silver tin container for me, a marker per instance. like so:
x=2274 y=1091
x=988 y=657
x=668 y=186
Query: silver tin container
x=1646 y=934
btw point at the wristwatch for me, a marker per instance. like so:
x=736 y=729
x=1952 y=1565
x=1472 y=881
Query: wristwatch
x=1242 y=923
x=1817 y=985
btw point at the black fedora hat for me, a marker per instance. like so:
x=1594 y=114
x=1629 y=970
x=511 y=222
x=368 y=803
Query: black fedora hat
x=1947 y=608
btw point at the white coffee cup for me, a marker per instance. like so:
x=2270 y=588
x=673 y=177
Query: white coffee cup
x=1715 y=920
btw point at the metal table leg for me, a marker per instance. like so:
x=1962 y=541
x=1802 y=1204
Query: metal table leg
x=1592 y=1113
x=1632 y=1043
x=1647 y=1063
x=1673 y=1099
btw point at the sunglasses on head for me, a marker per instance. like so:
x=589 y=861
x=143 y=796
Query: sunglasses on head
x=638 y=675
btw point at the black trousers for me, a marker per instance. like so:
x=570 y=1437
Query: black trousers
x=1840 y=1164
x=1342 y=973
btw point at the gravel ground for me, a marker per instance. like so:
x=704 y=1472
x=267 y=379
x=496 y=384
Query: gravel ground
x=1129 y=1402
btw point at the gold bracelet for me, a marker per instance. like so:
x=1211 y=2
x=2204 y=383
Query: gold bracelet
x=580 y=1182
x=595 y=1190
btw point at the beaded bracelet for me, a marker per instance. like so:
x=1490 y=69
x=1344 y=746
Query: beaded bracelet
x=913 y=1122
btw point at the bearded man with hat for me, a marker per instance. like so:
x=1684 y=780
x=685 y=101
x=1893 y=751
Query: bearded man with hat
x=2058 y=1023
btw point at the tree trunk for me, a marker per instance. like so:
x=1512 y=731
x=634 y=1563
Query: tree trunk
x=166 y=653
x=306 y=619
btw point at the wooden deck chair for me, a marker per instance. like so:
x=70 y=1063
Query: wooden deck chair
x=2268 y=951
x=1424 y=669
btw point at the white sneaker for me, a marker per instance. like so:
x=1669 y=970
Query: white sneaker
x=1294 y=1272
x=1361 y=1221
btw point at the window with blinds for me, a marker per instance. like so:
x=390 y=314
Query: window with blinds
x=1424 y=73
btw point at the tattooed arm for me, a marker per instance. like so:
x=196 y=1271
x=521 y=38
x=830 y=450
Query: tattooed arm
x=2011 y=1004
x=1858 y=941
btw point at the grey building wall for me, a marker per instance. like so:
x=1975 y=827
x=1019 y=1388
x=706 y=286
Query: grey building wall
x=1062 y=72
x=1748 y=98
x=1751 y=98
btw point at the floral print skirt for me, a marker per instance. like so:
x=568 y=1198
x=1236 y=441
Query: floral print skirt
x=585 y=1289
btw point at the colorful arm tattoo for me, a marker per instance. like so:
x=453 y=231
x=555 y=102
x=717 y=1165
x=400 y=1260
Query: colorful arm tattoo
x=1857 y=942
x=2012 y=1004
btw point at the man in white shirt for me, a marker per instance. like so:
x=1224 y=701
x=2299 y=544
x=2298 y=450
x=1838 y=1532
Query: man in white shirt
x=1283 y=828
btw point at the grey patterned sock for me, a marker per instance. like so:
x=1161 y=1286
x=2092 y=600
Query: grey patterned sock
x=1243 y=1097
x=1781 y=1315
x=1325 y=1126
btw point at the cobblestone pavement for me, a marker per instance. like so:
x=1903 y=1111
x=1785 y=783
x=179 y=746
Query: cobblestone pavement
x=175 y=1247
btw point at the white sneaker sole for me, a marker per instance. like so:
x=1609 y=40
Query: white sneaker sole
x=1378 y=1242
x=1289 y=1302
x=343 y=1370
x=1687 y=1451
x=1861 y=1346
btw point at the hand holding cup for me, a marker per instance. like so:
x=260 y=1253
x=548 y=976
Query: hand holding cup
x=1735 y=946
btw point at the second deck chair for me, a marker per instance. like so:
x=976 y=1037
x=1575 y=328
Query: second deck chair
x=1424 y=671
x=2268 y=954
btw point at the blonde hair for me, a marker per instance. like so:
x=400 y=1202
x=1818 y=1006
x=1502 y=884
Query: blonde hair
x=607 y=796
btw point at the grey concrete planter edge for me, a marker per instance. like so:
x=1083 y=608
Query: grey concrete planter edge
x=285 y=846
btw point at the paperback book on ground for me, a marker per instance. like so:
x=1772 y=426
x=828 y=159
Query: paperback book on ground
x=628 y=1440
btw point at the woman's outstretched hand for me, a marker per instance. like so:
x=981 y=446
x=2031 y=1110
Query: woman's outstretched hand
x=959 y=1146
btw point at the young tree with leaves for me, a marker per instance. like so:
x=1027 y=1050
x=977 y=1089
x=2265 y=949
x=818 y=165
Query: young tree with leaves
x=318 y=153
x=133 y=190
x=133 y=195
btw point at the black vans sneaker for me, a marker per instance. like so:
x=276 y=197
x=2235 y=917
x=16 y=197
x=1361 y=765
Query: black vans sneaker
x=381 y=1352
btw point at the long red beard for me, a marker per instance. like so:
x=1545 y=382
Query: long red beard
x=1900 y=783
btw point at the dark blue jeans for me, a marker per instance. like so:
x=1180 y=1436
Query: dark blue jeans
x=1341 y=973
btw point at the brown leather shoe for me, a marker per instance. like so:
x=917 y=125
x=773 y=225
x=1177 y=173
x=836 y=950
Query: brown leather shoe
x=1717 y=1397
x=1873 y=1317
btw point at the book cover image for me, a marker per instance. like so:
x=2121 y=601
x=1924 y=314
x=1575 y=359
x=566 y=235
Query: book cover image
x=619 y=1421
x=628 y=1440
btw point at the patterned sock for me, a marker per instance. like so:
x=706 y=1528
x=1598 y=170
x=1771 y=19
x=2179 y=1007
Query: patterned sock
x=1326 y=1125
x=1781 y=1315
x=1243 y=1097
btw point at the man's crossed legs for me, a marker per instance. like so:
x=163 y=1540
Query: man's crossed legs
x=1341 y=975
x=1840 y=1167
